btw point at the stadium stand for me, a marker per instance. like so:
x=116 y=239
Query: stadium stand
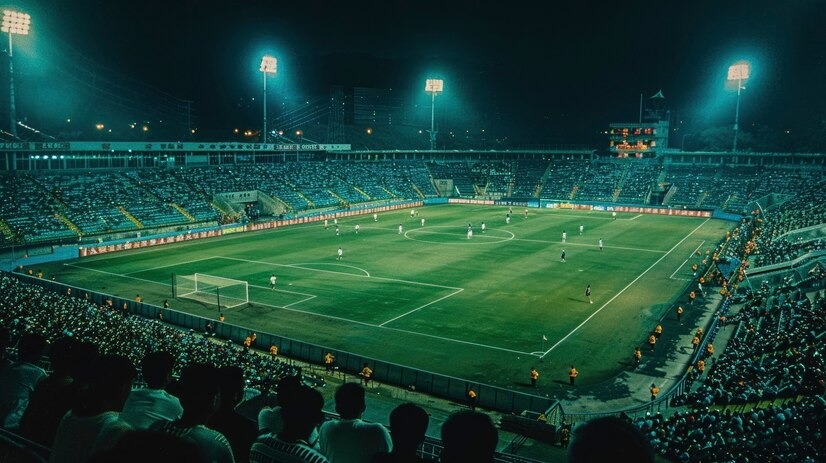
x=762 y=394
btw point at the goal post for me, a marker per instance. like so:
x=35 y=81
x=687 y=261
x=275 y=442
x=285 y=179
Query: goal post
x=210 y=289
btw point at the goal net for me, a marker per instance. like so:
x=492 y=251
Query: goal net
x=209 y=289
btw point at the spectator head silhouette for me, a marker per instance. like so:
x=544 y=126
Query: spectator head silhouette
x=111 y=382
x=32 y=346
x=231 y=382
x=468 y=436
x=199 y=392
x=302 y=413
x=605 y=439
x=157 y=369
x=350 y=401
x=408 y=425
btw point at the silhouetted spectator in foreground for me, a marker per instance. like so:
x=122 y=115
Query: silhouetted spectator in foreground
x=609 y=439
x=152 y=403
x=301 y=414
x=199 y=393
x=148 y=447
x=57 y=393
x=19 y=380
x=469 y=437
x=349 y=439
x=239 y=430
x=93 y=424
x=408 y=425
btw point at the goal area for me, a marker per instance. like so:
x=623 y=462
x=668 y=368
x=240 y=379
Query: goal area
x=210 y=289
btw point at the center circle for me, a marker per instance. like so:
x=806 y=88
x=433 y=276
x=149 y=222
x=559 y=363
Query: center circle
x=442 y=234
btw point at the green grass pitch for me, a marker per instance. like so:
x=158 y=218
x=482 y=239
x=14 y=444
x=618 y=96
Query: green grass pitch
x=485 y=308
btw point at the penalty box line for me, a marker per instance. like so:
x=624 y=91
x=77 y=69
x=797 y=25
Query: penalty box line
x=414 y=333
x=367 y=275
x=620 y=292
x=333 y=317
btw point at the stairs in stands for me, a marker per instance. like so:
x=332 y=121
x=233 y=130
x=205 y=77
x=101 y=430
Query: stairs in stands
x=339 y=198
x=363 y=193
x=573 y=191
x=6 y=231
x=131 y=217
x=418 y=191
x=183 y=212
x=305 y=198
x=616 y=194
x=393 y=195
x=69 y=223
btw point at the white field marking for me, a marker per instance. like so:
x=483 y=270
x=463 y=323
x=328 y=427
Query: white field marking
x=165 y=266
x=288 y=308
x=656 y=251
x=636 y=217
x=461 y=237
x=299 y=266
x=372 y=325
x=685 y=261
x=309 y=296
x=115 y=274
x=620 y=292
x=365 y=272
x=421 y=307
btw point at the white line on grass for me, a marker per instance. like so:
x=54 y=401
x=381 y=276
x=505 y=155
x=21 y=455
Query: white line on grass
x=333 y=317
x=165 y=266
x=636 y=217
x=421 y=307
x=656 y=251
x=684 y=262
x=299 y=266
x=620 y=292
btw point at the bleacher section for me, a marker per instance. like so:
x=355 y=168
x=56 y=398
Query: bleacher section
x=46 y=206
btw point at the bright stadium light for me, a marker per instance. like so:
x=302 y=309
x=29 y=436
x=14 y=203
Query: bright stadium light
x=269 y=65
x=738 y=72
x=18 y=23
x=433 y=87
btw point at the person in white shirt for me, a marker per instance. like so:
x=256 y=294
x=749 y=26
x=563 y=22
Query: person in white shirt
x=349 y=439
x=152 y=403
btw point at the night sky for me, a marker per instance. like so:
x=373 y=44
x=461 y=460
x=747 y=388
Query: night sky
x=551 y=71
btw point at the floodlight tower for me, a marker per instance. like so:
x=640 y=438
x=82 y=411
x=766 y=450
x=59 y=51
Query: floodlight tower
x=268 y=66
x=739 y=72
x=14 y=22
x=433 y=87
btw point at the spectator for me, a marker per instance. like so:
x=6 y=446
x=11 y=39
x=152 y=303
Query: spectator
x=607 y=439
x=199 y=394
x=408 y=425
x=93 y=423
x=147 y=446
x=468 y=436
x=301 y=415
x=349 y=439
x=19 y=380
x=239 y=430
x=146 y=405
x=57 y=393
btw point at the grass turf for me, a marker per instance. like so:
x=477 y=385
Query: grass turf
x=485 y=308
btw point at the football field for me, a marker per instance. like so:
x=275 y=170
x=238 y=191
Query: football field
x=485 y=308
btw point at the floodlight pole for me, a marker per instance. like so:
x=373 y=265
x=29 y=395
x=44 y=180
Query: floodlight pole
x=432 y=120
x=14 y=23
x=739 y=72
x=264 y=134
x=12 y=108
x=737 y=115
x=433 y=87
x=268 y=66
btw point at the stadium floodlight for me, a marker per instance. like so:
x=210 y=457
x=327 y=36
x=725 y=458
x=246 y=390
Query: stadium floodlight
x=739 y=72
x=433 y=87
x=18 y=23
x=269 y=65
